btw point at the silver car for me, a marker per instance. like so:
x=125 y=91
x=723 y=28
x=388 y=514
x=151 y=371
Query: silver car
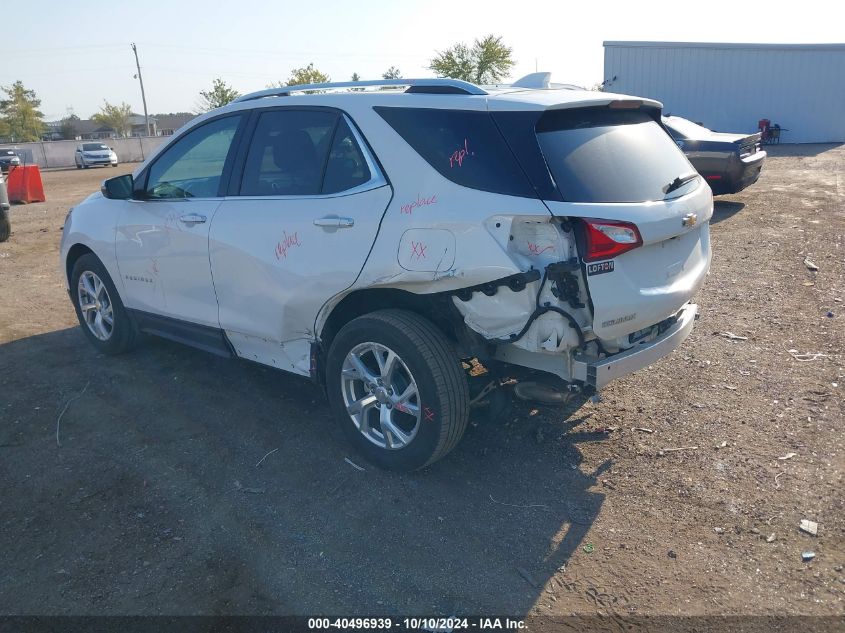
x=89 y=154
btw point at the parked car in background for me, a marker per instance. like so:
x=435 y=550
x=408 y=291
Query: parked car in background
x=374 y=240
x=90 y=154
x=5 y=223
x=8 y=158
x=729 y=162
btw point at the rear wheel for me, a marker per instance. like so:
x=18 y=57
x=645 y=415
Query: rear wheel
x=98 y=307
x=398 y=389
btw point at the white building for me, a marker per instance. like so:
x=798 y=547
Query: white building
x=730 y=87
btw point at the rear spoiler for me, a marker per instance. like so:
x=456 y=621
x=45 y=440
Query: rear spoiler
x=621 y=103
x=544 y=100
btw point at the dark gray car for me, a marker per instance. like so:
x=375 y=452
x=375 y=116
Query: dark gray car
x=5 y=224
x=8 y=158
x=729 y=162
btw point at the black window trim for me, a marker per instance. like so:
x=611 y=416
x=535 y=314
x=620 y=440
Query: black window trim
x=139 y=188
x=378 y=178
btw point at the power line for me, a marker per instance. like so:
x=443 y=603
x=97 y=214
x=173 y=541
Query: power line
x=69 y=50
x=286 y=53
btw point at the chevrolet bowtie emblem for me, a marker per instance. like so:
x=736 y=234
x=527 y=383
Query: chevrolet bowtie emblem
x=690 y=219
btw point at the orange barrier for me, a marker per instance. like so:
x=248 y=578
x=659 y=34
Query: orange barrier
x=24 y=184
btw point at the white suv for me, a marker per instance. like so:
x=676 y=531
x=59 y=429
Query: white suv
x=374 y=239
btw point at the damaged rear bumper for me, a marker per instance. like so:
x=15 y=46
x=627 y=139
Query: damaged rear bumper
x=597 y=373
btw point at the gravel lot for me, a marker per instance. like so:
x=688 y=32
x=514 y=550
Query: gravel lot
x=155 y=503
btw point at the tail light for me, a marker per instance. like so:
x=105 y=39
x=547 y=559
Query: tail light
x=609 y=238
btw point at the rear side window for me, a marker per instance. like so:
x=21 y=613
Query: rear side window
x=288 y=153
x=602 y=155
x=464 y=146
x=347 y=167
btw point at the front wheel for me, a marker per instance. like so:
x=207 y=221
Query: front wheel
x=398 y=389
x=99 y=309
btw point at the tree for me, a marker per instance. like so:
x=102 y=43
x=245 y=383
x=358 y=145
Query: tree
x=116 y=117
x=67 y=128
x=487 y=61
x=392 y=73
x=21 y=119
x=356 y=77
x=306 y=75
x=220 y=94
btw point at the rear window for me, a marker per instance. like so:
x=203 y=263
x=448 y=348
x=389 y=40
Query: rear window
x=601 y=155
x=464 y=146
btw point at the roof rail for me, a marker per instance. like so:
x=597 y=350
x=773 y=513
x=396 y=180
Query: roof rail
x=451 y=86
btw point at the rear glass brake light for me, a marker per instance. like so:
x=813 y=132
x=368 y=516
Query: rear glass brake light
x=609 y=238
x=625 y=104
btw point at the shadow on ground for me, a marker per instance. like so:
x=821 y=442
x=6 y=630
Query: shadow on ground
x=725 y=209
x=156 y=502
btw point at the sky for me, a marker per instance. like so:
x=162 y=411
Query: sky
x=76 y=54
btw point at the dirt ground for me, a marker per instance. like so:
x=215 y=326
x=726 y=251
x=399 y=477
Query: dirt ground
x=155 y=502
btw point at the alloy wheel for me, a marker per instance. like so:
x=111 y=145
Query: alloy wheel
x=381 y=395
x=95 y=305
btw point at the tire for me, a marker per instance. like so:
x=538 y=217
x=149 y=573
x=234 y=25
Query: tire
x=420 y=429
x=78 y=166
x=122 y=334
x=5 y=226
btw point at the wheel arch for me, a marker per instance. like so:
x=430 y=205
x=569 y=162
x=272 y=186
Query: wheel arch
x=437 y=308
x=74 y=253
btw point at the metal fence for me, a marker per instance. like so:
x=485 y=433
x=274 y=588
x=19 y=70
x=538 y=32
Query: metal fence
x=61 y=153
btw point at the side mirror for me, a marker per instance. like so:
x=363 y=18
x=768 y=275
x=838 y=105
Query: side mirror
x=118 y=188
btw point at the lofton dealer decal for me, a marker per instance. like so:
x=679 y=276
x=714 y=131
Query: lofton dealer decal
x=599 y=268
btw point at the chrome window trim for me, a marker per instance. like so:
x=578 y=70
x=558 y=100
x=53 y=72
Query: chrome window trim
x=377 y=178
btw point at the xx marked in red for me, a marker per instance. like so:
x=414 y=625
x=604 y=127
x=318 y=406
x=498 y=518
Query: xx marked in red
x=429 y=414
x=418 y=250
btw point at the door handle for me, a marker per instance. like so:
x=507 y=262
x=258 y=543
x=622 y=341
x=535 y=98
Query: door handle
x=192 y=218
x=334 y=222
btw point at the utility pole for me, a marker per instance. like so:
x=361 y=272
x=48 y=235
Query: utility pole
x=143 y=96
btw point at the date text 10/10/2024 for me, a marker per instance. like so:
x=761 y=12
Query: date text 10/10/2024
x=446 y=625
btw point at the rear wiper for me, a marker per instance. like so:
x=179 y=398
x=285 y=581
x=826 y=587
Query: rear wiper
x=679 y=182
